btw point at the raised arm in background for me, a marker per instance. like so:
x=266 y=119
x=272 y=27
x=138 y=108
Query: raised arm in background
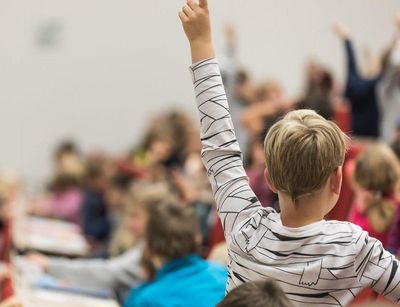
x=221 y=154
x=351 y=61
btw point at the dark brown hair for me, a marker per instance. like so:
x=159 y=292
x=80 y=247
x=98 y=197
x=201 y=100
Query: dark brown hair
x=256 y=294
x=172 y=230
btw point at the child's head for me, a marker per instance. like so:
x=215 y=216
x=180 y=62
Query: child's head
x=95 y=176
x=135 y=204
x=269 y=90
x=138 y=203
x=68 y=160
x=256 y=294
x=376 y=178
x=63 y=183
x=116 y=190
x=302 y=151
x=172 y=231
x=377 y=169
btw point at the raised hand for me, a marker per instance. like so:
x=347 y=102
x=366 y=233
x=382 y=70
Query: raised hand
x=196 y=24
x=341 y=30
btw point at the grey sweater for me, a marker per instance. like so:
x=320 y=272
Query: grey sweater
x=118 y=274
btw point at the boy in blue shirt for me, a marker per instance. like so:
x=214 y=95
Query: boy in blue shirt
x=178 y=276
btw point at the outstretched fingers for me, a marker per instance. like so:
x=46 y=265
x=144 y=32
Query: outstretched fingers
x=183 y=17
x=187 y=10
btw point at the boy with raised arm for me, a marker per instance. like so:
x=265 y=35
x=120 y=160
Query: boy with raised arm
x=314 y=261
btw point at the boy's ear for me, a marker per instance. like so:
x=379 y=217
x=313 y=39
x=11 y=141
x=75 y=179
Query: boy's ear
x=269 y=183
x=336 y=180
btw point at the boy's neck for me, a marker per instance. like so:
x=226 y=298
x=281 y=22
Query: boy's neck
x=306 y=210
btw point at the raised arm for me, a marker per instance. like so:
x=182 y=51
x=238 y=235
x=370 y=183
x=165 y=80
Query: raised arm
x=351 y=62
x=221 y=154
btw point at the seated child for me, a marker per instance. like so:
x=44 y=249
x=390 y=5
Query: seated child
x=117 y=274
x=95 y=220
x=265 y=293
x=376 y=176
x=314 y=261
x=178 y=276
x=63 y=200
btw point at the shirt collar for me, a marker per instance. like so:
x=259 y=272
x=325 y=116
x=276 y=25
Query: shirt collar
x=176 y=264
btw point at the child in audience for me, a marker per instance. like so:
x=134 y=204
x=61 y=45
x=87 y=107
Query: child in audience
x=117 y=274
x=95 y=221
x=68 y=161
x=271 y=101
x=256 y=294
x=318 y=94
x=63 y=201
x=314 y=261
x=255 y=172
x=132 y=226
x=115 y=195
x=361 y=91
x=179 y=276
x=376 y=177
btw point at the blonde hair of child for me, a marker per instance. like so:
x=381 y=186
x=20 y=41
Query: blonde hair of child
x=377 y=169
x=301 y=151
x=142 y=194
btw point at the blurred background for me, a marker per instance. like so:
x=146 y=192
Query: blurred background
x=97 y=71
x=99 y=121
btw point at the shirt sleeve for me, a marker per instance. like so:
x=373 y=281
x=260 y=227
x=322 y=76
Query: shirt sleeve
x=351 y=60
x=221 y=154
x=378 y=269
x=123 y=271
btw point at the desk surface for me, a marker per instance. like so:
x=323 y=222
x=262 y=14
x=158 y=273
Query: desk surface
x=46 y=298
x=49 y=236
x=26 y=274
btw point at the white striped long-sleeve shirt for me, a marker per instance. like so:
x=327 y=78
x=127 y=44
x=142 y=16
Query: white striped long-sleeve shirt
x=324 y=263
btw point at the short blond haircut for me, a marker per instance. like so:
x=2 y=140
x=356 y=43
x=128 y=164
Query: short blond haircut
x=301 y=151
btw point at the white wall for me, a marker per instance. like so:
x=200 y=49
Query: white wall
x=118 y=61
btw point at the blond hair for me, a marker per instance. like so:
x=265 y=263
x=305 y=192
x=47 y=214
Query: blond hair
x=142 y=194
x=301 y=151
x=377 y=169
